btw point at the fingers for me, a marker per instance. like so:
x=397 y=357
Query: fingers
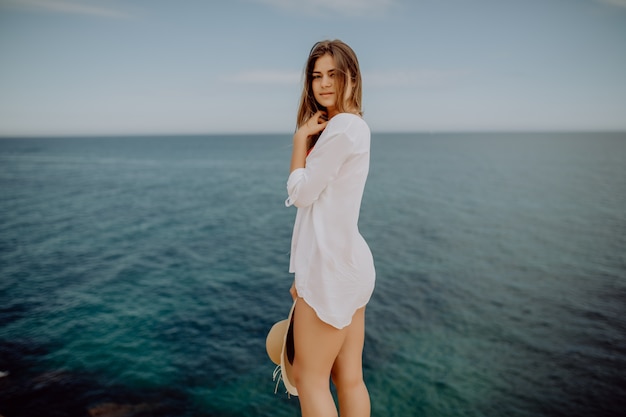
x=315 y=124
x=293 y=291
x=320 y=116
x=319 y=127
x=318 y=121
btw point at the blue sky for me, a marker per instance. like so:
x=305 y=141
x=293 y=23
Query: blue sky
x=76 y=67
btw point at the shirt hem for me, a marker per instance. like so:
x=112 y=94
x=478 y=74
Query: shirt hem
x=325 y=318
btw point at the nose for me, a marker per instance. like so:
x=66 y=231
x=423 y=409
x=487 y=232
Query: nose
x=326 y=81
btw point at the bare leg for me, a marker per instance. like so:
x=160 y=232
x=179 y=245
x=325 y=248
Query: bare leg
x=317 y=344
x=347 y=372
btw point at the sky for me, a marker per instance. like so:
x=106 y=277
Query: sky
x=119 y=67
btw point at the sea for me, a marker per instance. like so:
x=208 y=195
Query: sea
x=139 y=275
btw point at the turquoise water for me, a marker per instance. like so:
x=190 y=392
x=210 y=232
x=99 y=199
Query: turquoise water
x=145 y=272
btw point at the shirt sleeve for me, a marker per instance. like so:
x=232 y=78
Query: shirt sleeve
x=305 y=185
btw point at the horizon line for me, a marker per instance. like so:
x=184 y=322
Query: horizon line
x=374 y=132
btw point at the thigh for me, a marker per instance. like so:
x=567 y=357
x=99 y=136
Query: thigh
x=349 y=362
x=317 y=343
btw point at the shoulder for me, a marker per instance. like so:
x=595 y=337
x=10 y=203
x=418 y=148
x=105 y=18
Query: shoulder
x=347 y=123
x=347 y=120
x=346 y=130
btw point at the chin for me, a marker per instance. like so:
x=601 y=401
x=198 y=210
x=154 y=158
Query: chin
x=326 y=104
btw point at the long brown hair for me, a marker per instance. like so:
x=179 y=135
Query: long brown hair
x=346 y=65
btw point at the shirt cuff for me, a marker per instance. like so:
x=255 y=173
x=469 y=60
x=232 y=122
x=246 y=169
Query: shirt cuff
x=292 y=186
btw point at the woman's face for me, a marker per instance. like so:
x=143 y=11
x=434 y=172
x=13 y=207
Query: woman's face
x=324 y=85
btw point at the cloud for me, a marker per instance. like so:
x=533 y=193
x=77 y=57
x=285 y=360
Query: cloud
x=344 y=7
x=67 y=7
x=265 y=77
x=618 y=3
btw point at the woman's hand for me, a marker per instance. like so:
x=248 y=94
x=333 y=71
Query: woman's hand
x=293 y=291
x=311 y=127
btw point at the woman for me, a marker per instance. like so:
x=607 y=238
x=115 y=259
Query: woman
x=333 y=266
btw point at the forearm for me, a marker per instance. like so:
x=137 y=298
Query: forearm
x=298 y=152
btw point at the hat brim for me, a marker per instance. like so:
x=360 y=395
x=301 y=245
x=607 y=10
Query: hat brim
x=276 y=346
x=274 y=341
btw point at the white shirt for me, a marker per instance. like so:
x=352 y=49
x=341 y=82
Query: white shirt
x=333 y=266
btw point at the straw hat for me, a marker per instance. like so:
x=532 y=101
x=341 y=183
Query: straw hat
x=279 y=346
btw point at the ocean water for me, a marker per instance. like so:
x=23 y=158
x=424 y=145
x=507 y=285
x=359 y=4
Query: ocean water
x=139 y=275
